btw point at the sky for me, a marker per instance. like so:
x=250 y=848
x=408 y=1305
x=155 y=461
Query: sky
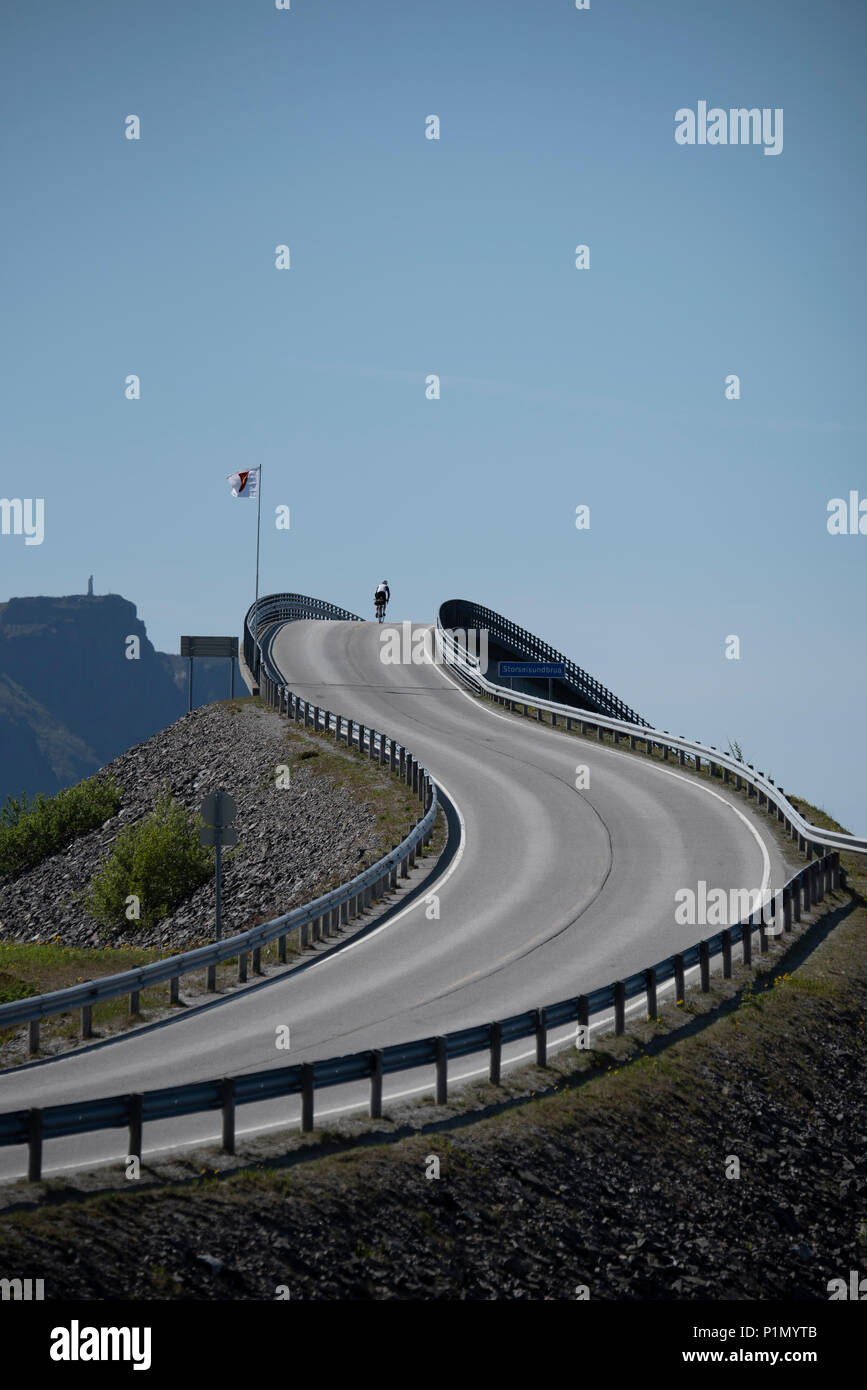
x=455 y=257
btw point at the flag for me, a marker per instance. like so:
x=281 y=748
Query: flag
x=244 y=484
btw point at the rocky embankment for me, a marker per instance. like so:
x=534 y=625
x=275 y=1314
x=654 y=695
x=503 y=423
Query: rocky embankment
x=294 y=841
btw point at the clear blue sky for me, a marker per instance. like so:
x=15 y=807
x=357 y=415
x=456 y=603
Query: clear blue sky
x=456 y=257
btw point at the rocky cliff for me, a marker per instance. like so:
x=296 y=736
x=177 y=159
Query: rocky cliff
x=75 y=691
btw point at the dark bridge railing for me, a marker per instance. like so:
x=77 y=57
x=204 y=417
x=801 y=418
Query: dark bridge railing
x=462 y=614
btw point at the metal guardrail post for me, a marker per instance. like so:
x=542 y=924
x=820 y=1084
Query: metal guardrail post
x=650 y=990
x=371 y=752
x=281 y=948
x=583 y=1006
x=306 y=1097
x=376 y=1072
x=227 y=1102
x=135 y=1125
x=681 y=757
x=174 y=989
x=747 y=942
x=679 y=978
x=541 y=1038
x=257 y=960
x=704 y=966
x=242 y=967
x=787 y=908
x=442 y=1070
x=619 y=1007
x=726 y=935
x=87 y=1021
x=392 y=755
x=134 y=1001
x=496 y=1053
x=212 y=979
x=796 y=898
x=34 y=1145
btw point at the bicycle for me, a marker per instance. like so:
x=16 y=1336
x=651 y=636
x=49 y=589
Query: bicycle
x=380 y=609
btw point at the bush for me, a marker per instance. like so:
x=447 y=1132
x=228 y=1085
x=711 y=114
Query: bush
x=159 y=860
x=30 y=831
x=12 y=989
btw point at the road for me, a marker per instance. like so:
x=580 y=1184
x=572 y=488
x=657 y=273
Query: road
x=553 y=892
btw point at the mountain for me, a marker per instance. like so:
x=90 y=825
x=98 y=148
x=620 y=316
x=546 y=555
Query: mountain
x=71 y=699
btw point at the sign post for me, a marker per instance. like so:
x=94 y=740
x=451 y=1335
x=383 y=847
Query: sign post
x=210 y=646
x=218 y=811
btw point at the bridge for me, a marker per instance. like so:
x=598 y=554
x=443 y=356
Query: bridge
x=555 y=901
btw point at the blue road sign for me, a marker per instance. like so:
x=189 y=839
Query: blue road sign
x=552 y=670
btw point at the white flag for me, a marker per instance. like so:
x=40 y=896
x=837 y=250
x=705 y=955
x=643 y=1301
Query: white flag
x=244 y=484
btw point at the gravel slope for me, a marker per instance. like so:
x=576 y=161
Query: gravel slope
x=294 y=840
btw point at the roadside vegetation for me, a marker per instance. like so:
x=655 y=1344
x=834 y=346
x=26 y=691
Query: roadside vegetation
x=153 y=866
x=32 y=830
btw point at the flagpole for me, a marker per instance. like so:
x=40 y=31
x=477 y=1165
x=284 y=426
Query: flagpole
x=258 y=521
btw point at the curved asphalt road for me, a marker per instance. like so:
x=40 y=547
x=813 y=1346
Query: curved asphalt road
x=555 y=892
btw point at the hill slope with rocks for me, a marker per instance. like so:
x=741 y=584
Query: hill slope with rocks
x=295 y=841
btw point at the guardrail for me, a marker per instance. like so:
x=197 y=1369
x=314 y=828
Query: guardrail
x=33 y=1126
x=313 y=921
x=282 y=608
x=812 y=839
x=463 y=614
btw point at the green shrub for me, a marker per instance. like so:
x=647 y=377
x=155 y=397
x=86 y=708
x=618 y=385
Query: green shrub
x=12 y=989
x=30 y=831
x=159 y=860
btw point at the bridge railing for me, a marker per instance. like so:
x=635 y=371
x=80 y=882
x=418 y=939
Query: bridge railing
x=465 y=614
x=812 y=839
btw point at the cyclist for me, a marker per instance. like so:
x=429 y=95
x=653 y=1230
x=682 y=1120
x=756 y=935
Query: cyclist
x=380 y=598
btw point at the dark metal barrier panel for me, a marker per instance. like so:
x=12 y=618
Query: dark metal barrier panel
x=463 y=615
